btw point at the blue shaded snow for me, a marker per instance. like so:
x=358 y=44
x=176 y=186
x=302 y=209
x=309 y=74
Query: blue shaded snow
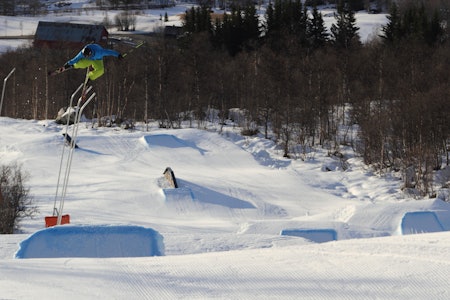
x=314 y=235
x=420 y=222
x=170 y=141
x=178 y=194
x=189 y=191
x=92 y=241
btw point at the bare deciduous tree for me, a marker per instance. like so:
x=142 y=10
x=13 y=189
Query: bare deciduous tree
x=15 y=202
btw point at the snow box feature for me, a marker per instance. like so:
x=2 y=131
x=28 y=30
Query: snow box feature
x=92 y=241
x=420 y=222
x=314 y=235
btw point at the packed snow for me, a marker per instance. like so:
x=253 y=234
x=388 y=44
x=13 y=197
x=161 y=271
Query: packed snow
x=91 y=241
x=243 y=223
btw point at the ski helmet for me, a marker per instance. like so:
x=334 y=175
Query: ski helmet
x=87 y=52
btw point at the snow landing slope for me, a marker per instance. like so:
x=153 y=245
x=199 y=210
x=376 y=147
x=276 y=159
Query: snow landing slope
x=227 y=183
x=236 y=196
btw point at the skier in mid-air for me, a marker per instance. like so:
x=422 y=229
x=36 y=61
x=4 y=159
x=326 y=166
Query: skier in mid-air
x=91 y=56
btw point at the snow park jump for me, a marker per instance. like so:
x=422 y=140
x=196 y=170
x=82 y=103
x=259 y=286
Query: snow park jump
x=92 y=241
x=420 y=222
x=314 y=235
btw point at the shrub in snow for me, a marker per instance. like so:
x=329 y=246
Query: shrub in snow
x=15 y=201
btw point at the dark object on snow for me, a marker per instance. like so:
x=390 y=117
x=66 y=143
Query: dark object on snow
x=63 y=114
x=69 y=141
x=170 y=176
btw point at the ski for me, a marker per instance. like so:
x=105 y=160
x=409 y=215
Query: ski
x=84 y=89
x=70 y=142
x=134 y=47
x=58 y=71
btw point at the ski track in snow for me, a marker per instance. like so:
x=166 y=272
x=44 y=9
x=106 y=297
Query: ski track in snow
x=353 y=269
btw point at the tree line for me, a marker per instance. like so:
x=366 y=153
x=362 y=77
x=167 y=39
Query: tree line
x=293 y=80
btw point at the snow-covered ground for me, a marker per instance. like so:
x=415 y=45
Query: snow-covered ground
x=346 y=234
x=146 y=21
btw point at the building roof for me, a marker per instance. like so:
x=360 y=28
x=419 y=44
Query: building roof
x=48 y=33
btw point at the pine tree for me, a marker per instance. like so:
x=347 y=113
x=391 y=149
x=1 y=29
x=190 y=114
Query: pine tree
x=356 y=5
x=413 y=25
x=392 y=30
x=197 y=20
x=7 y=7
x=237 y=31
x=436 y=31
x=345 y=32
x=250 y=25
x=286 y=20
x=317 y=33
x=270 y=18
x=189 y=20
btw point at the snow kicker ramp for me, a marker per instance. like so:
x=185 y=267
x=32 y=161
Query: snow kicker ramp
x=314 y=235
x=92 y=241
x=420 y=222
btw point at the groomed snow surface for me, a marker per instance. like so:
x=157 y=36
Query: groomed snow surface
x=245 y=223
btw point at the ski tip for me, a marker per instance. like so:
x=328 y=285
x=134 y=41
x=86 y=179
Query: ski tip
x=57 y=71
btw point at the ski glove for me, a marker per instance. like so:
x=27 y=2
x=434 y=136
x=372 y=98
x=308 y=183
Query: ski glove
x=67 y=66
x=120 y=57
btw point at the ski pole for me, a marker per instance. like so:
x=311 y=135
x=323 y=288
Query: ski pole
x=4 y=85
x=132 y=49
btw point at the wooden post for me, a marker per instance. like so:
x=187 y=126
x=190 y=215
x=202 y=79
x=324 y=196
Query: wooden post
x=170 y=176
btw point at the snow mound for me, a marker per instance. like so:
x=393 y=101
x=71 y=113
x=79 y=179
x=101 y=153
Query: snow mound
x=314 y=235
x=169 y=141
x=420 y=222
x=92 y=241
